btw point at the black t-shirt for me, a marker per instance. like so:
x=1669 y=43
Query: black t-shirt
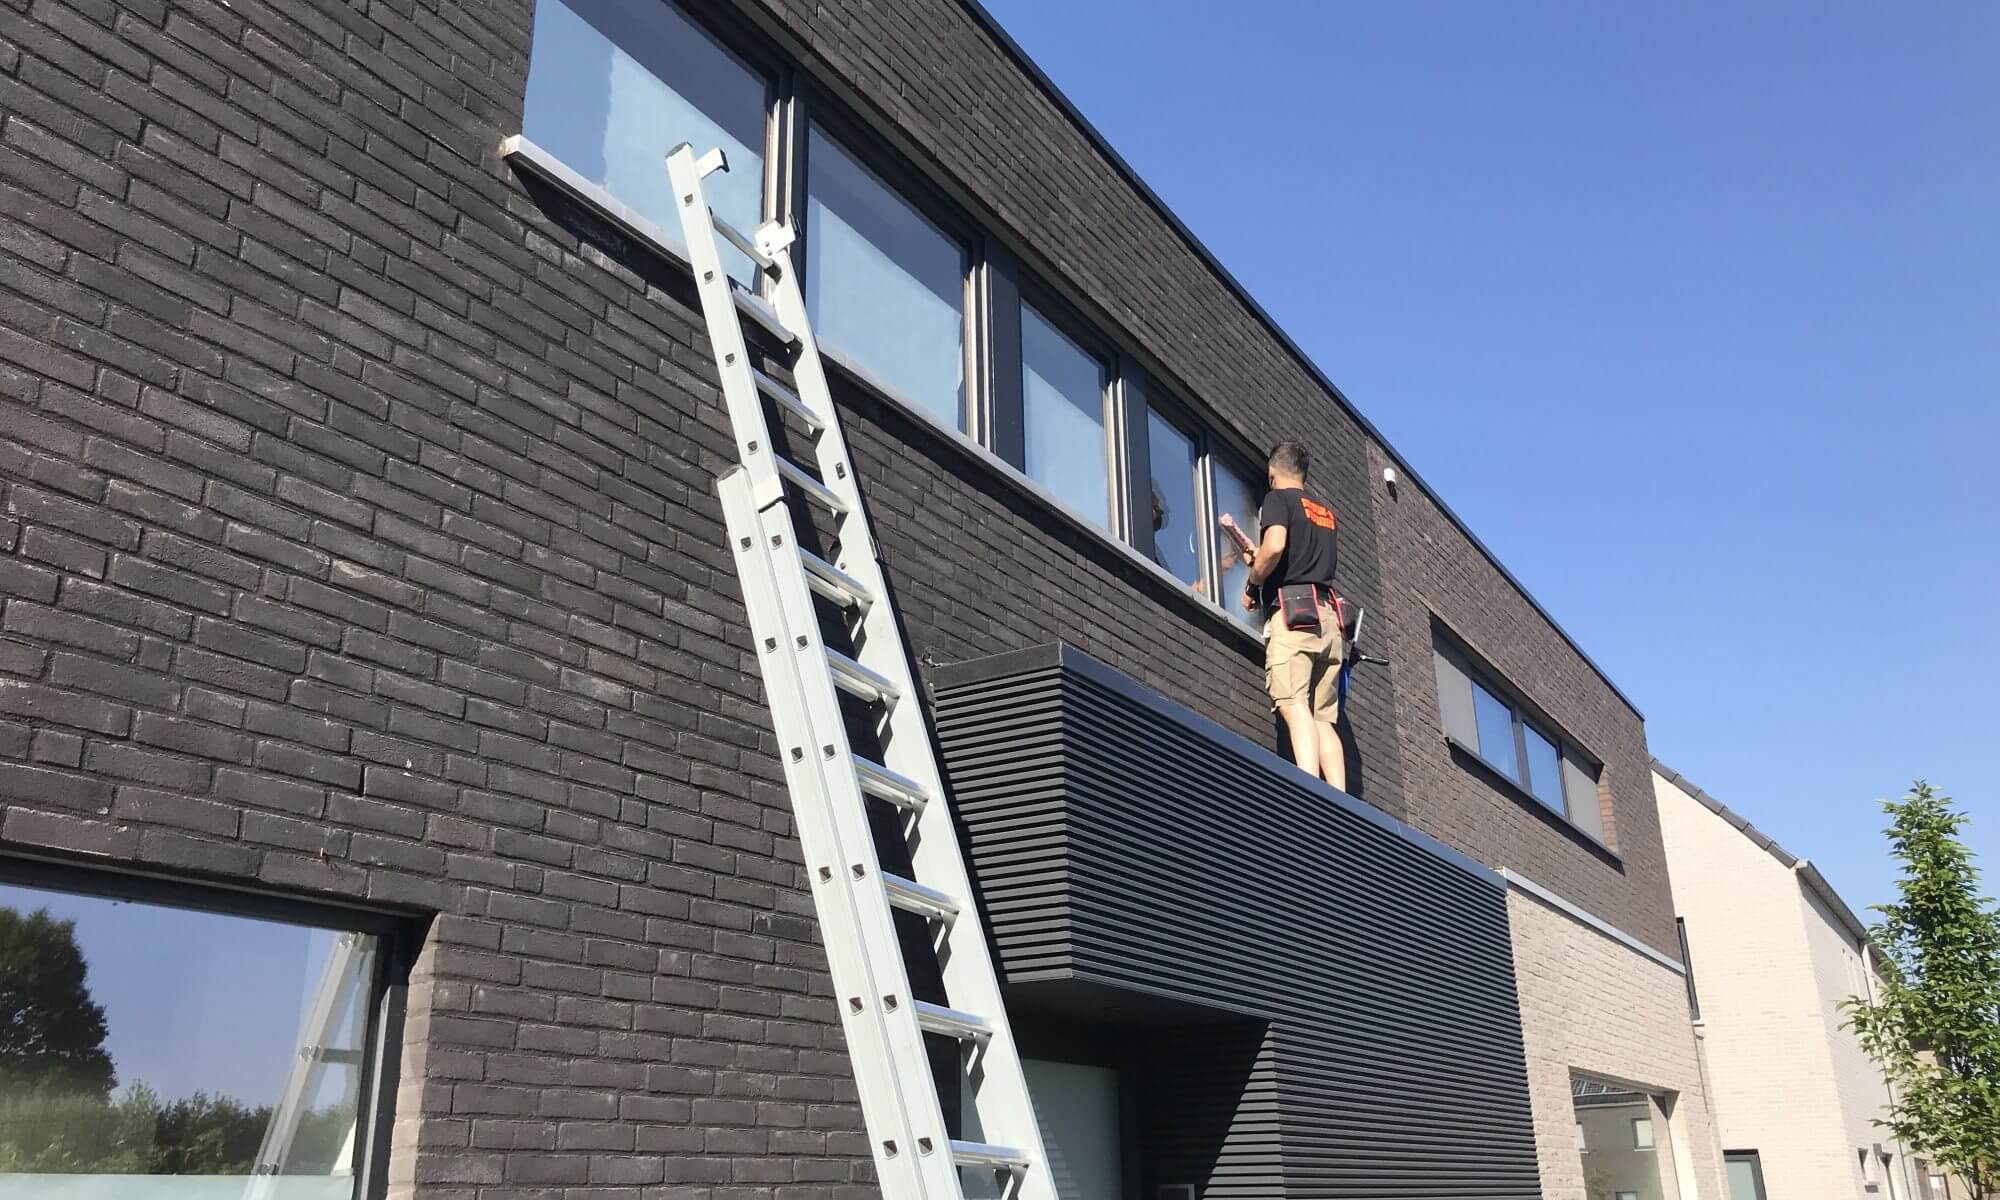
x=1312 y=544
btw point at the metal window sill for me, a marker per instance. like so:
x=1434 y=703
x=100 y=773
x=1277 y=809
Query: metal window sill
x=1512 y=787
x=526 y=156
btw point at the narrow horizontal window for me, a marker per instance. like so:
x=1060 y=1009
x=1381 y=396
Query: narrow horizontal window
x=1238 y=496
x=884 y=284
x=613 y=85
x=1063 y=389
x=144 y=1041
x=1486 y=719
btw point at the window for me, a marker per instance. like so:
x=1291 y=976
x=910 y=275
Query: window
x=1746 y=1175
x=599 y=99
x=883 y=284
x=1174 y=496
x=1063 y=393
x=1240 y=499
x=1616 y=1124
x=1480 y=718
x=898 y=283
x=1687 y=969
x=172 y=1042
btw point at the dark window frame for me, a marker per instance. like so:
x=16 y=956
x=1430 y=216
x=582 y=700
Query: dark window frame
x=1522 y=712
x=1756 y=1162
x=388 y=989
x=1687 y=969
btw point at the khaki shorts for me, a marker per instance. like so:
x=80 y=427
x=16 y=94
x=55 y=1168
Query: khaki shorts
x=1302 y=667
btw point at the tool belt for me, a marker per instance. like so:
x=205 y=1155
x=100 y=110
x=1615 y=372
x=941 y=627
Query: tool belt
x=1299 y=604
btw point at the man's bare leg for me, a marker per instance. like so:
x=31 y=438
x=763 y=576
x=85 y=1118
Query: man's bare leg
x=1304 y=733
x=1332 y=755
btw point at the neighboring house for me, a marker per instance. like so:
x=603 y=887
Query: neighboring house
x=363 y=575
x=1773 y=952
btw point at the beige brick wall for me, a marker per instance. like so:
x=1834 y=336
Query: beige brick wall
x=1771 y=965
x=1592 y=1003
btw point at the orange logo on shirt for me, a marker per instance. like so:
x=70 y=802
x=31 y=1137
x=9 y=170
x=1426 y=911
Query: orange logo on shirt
x=1319 y=514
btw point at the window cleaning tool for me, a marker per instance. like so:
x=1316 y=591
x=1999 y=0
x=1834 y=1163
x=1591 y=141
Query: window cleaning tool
x=792 y=598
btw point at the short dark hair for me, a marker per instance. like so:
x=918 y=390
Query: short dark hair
x=1290 y=458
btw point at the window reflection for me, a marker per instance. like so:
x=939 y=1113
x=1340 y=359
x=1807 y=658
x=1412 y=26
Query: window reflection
x=139 y=1042
x=1618 y=1140
x=599 y=100
x=1062 y=394
x=1175 y=516
x=1544 y=767
x=1496 y=731
x=1237 y=499
x=883 y=284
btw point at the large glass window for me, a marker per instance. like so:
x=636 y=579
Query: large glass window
x=613 y=85
x=1478 y=716
x=1174 y=500
x=883 y=284
x=1240 y=500
x=158 y=1052
x=1622 y=1142
x=1063 y=389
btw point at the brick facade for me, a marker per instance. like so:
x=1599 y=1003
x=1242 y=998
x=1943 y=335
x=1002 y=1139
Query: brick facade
x=1591 y=1004
x=359 y=542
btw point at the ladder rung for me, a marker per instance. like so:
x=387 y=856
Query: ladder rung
x=835 y=584
x=914 y=897
x=884 y=784
x=742 y=241
x=965 y=1026
x=814 y=490
x=788 y=400
x=980 y=1154
x=860 y=682
x=759 y=310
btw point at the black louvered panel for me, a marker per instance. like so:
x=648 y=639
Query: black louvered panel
x=1367 y=1041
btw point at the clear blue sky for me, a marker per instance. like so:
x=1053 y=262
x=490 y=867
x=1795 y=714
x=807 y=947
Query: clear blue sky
x=1691 y=311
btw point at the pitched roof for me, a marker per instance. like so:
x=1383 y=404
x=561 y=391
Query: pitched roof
x=1803 y=868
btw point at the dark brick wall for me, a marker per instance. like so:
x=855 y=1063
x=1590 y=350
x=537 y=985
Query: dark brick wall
x=359 y=541
x=1434 y=569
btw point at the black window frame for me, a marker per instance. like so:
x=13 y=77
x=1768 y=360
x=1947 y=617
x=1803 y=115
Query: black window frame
x=396 y=940
x=1523 y=713
x=1756 y=1162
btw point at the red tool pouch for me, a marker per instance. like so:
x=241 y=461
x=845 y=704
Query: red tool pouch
x=1299 y=602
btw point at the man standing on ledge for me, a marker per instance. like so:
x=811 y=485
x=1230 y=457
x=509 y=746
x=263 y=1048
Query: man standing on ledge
x=1291 y=578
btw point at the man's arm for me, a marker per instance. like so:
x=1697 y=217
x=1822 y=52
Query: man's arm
x=1269 y=551
x=1263 y=562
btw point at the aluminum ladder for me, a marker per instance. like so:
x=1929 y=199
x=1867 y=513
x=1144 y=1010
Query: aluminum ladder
x=787 y=591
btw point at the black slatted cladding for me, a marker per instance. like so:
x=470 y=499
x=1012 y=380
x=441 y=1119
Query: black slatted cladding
x=1122 y=842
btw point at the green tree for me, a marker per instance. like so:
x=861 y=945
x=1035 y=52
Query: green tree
x=1935 y=1030
x=51 y=1032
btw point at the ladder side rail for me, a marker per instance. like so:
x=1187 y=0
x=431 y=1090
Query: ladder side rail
x=1000 y=1094
x=335 y=981
x=725 y=333
x=841 y=919
x=859 y=873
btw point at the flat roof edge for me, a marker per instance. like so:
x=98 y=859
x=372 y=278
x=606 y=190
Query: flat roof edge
x=1103 y=144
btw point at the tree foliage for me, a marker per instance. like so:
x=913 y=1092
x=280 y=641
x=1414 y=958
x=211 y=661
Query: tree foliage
x=1935 y=1029
x=51 y=1032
